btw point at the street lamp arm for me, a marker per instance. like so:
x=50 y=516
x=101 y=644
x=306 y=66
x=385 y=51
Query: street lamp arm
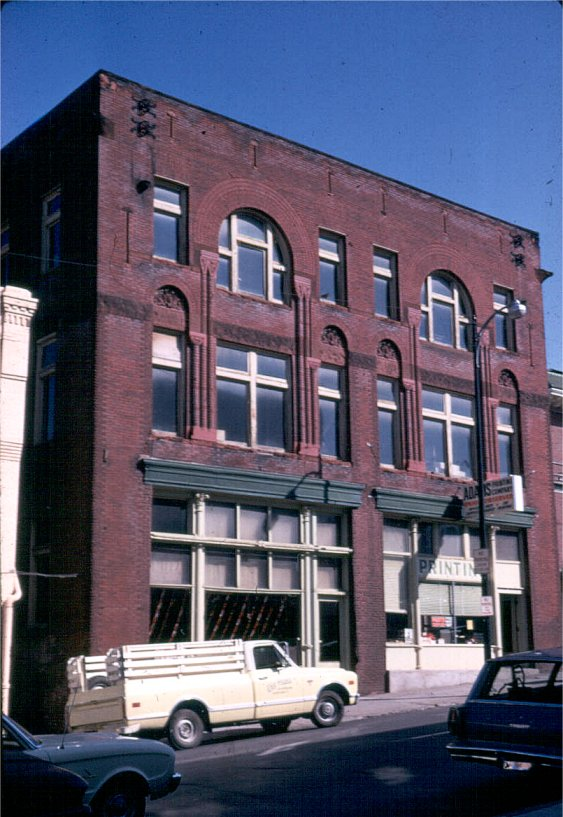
x=516 y=309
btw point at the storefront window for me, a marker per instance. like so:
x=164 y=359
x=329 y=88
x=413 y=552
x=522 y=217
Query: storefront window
x=396 y=536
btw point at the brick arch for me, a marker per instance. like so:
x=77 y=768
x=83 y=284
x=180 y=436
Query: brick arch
x=170 y=308
x=333 y=346
x=389 y=359
x=508 y=389
x=240 y=194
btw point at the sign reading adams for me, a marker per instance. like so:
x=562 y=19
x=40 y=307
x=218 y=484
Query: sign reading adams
x=505 y=494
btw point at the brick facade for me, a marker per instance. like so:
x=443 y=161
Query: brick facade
x=89 y=490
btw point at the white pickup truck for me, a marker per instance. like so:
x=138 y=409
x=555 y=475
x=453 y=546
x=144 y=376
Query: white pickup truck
x=184 y=689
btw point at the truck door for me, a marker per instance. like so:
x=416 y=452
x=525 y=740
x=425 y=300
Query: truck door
x=278 y=684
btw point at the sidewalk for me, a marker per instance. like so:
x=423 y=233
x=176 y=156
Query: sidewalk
x=389 y=703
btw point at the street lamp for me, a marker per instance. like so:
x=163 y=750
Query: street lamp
x=516 y=309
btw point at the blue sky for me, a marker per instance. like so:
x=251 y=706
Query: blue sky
x=462 y=99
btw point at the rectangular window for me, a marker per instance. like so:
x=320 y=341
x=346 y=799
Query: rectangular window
x=448 y=433
x=388 y=421
x=396 y=538
x=451 y=541
x=507 y=441
x=51 y=232
x=167 y=382
x=45 y=390
x=385 y=283
x=169 y=516
x=330 y=530
x=170 y=204
x=220 y=568
x=220 y=520
x=331 y=410
x=170 y=567
x=504 y=326
x=507 y=549
x=253 y=398
x=332 y=285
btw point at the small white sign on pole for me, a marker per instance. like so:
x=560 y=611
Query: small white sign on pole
x=481 y=560
x=487 y=606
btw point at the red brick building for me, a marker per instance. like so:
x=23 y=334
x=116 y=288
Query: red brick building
x=252 y=410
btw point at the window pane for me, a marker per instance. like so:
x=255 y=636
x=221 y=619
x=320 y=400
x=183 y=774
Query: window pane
x=251 y=263
x=462 y=406
x=505 y=454
x=54 y=205
x=432 y=400
x=253 y=524
x=434 y=450
x=166 y=236
x=504 y=415
x=170 y=567
x=329 y=613
x=166 y=195
x=328 y=283
x=451 y=541
x=55 y=244
x=507 y=546
x=425 y=542
x=443 y=323
x=270 y=422
x=501 y=331
x=329 y=530
x=253 y=571
x=382 y=288
x=423 y=332
x=229 y=358
x=166 y=347
x=220 y=520
x=225 y=234
x=251 y=227
x=382 y=262
x=329 y=574
x=284 y=526
x=48 y=355
x=48 y=408
x=327 y=244
x=329 y=427
x=329 y=378
x=386 y=437
x=169 y=516
x=285 y=573
x=396 y=536
x=232 y=410
x=271 y=366
x=442 y=286
x=165 y=399
x=277 y=285
x=462 y=450
x=224 y=272
x=385 y=391
x=219 y=569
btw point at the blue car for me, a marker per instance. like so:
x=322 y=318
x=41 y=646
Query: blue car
x=512 y=716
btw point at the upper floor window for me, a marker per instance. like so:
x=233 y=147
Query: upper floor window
x=509 y=459
x=385 y=283
x=445 y=311
x=505 y=336
x=332 y=285
x=167 y=382
x=170 y=204
x=253 y=257
x=388 y=421
x=253 y=397
x=5 y=249
x=47 y=350
x=448 y=433
x=51 y=232
x=331 y=410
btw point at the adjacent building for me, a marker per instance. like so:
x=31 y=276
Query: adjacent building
x=252 y=408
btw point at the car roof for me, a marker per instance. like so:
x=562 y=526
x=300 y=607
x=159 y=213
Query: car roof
x=549 y=654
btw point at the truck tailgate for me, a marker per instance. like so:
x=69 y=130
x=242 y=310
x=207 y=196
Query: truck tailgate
x=96 y=708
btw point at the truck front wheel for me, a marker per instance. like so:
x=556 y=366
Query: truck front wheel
x=185 y=729
x=328 y=710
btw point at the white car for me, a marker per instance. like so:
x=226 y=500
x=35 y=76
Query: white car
x=120 y=772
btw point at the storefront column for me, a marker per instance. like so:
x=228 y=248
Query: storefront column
x=496 y=623
x=413 y=592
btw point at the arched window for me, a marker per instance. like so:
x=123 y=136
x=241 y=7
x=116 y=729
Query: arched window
x=445 y=311
x=253 y=257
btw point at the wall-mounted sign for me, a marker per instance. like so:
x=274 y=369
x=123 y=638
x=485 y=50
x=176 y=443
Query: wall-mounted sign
x=505 y=494
x=446 y=569
x=481 y=560
x=487 y=606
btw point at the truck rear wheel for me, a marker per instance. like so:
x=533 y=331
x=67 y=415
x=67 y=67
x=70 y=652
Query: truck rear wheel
x=185 y=729
x=328 y=710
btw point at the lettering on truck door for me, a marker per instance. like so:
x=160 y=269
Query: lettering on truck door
x=278 y=684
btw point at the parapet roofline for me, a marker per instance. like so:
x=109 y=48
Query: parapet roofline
x=118 y=78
